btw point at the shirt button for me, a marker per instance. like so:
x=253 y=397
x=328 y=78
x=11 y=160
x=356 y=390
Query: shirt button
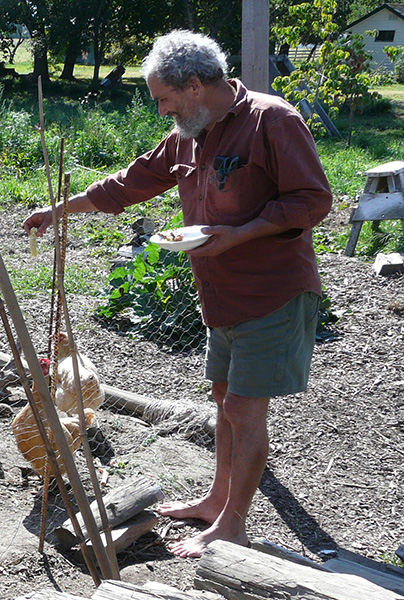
x=203 y=167
x=206 y=284
x=199 y=197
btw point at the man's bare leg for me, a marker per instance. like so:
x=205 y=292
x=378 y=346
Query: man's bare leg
x=249 y=451
x=209 y=507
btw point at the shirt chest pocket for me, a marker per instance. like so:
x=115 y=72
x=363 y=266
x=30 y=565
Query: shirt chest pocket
x=231 y=193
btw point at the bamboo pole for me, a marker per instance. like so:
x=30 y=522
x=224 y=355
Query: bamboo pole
x=53 y=298
x=106 y=528
x=48 y=447
x=106 y=559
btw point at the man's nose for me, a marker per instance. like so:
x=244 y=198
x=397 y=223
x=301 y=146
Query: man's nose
x=163 y=109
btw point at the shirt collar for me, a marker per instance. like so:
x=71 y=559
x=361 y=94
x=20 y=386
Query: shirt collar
x=241 y=96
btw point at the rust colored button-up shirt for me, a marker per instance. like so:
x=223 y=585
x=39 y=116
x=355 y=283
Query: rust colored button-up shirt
x=279 y=178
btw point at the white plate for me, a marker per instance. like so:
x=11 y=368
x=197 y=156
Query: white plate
x=191 y=237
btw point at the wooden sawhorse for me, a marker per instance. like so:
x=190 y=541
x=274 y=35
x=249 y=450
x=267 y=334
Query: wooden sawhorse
x=382 y=200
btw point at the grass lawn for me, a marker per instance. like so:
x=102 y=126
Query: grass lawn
x=24 y=64
x=394 y=92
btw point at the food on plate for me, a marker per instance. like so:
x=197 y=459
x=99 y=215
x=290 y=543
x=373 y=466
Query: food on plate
x=171 y=235
x=180 y=238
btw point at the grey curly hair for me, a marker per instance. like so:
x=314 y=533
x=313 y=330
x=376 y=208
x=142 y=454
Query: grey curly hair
x=180 y=55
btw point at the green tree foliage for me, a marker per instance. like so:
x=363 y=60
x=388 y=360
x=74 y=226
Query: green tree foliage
x=341 y=75
x=396 y=55
x=359 y=8
x=10 y=35
x=285 y=21
x=73 y=19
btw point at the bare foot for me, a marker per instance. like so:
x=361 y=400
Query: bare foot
x=203 y=509
x=194 y=547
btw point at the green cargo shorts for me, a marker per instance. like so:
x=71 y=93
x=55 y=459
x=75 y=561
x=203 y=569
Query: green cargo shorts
x=266 y=357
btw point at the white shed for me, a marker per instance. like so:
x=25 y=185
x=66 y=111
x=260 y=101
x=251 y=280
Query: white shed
x=388 y=22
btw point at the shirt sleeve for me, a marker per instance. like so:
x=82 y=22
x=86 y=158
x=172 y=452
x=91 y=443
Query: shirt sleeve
x=304 y=194
x=146 y=177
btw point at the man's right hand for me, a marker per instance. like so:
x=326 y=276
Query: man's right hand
x=41 y=219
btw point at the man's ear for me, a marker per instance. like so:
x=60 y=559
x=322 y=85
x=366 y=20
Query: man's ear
x=194 y=84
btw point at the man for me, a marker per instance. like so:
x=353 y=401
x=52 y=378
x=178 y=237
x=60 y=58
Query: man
x=247 y=167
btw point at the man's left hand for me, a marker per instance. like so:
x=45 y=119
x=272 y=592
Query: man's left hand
x=223 y=237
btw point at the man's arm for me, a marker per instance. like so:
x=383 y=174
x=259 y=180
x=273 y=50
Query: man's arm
x=42 y=218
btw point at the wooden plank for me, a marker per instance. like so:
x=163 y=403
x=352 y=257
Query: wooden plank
x=392 y=184
x=152 y=590
x=128 y=532
x=269 y=548
x=387 y=581
x=353 y=238
x=380 y=207
x=369 y=562
x=391 y=168
x=237 y=573
x=371 y=185
x=121 y=504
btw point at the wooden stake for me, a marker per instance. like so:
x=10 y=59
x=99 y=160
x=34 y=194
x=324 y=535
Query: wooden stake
x=106 y=560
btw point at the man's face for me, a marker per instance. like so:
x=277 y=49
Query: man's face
x=184 y=106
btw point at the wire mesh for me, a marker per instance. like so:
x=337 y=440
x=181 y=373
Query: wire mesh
x=118 y=430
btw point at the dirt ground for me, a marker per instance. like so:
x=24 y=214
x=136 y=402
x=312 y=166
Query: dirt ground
x=335 y=468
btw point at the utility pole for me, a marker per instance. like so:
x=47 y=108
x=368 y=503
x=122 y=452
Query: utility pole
x=255 y=45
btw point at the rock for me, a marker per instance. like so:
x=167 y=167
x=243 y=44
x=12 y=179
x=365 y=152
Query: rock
x=388 y=264
x=5 y=410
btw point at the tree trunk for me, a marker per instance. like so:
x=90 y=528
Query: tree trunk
x=99 y=33
x=41 y=67
x=189 y=14
x=69 y=63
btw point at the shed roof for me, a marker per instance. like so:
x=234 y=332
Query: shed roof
x=396 y=8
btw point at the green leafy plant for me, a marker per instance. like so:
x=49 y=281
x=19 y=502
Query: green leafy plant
x=396 y=55
x=155 y=297
x=325 y=331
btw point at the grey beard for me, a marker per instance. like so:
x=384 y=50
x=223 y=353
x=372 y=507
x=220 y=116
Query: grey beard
x=191 y=127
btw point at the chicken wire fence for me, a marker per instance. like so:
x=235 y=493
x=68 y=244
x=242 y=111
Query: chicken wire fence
x=102 y=405
x=153 y=295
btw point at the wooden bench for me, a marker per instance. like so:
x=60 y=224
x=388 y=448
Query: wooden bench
x=382 y=199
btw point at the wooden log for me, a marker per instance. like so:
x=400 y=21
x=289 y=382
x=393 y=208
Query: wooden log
x=121 y=504
x=128 y=532
x=275 y=550
x=137 y=404
x=400 y=552
x=152 y=590
x=388 y=581
x=237 y=572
